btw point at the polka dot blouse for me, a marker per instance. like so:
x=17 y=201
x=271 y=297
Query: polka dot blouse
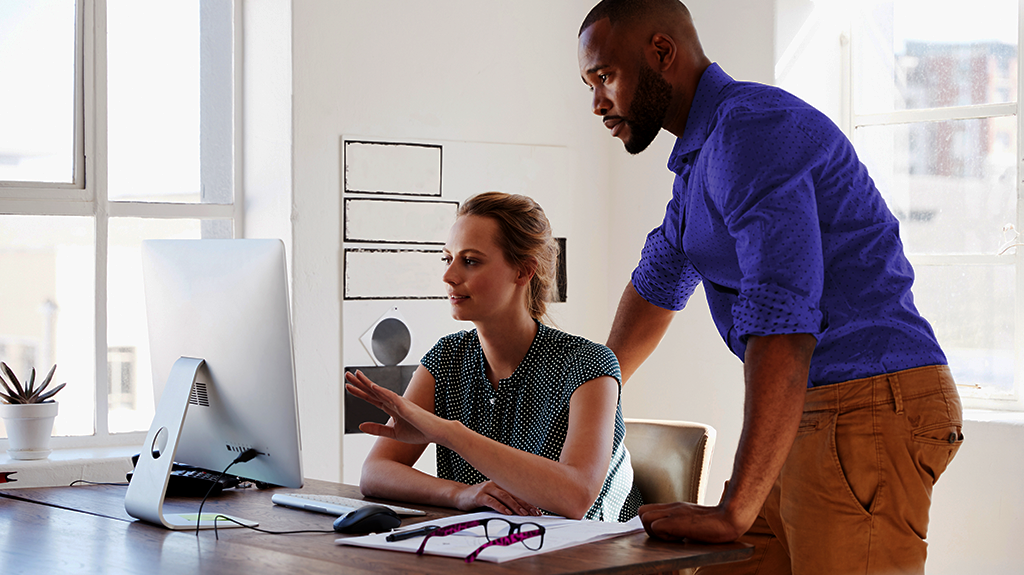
x=530 y=409
x=772 y=210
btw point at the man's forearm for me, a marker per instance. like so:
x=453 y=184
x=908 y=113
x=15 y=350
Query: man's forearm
x=775 y=374
x=637 y=330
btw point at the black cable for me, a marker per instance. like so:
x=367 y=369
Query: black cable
x=96 y=483
x=246 y=455
x=217 y=536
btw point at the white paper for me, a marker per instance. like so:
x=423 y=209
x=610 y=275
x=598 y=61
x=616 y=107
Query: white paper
x=559 y=534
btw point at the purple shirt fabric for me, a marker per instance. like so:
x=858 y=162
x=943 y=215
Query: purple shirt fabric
x=774 y=212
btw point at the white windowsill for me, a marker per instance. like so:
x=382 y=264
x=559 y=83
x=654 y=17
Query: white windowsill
x=993 y=416
x=98 y=464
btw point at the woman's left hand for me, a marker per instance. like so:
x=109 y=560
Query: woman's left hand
x=409 y=423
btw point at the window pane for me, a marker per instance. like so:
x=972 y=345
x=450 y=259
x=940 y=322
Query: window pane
x=972 y=311
x=47 y=310
x=169 y=101
x=914 y=54
x=951 y=184
x=130 y=388
x=37 y=102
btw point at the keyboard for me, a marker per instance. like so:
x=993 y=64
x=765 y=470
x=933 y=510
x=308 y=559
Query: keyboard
x=332 y=504
x=188 y=481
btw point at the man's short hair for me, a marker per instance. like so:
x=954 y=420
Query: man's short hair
x=632 y=11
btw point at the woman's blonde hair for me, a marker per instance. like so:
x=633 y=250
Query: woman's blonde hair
x=524 y=235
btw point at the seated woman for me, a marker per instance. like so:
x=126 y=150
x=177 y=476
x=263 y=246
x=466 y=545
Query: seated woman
x=525 y=417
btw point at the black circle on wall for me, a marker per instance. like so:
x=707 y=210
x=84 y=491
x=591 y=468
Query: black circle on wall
x=391 y=341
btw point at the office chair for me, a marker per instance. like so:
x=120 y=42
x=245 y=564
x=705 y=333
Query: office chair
x=670 y=459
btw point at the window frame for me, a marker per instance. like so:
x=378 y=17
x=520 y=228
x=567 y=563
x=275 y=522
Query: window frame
x=87 y=194
x=850 y=121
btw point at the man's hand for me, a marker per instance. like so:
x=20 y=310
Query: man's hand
x=676 y=521
x=673 y=521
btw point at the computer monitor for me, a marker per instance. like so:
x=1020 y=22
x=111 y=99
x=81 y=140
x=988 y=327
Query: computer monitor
x=221 y=348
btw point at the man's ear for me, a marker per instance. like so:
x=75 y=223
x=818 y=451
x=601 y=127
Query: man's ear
x=664 y=50
x=526 y=272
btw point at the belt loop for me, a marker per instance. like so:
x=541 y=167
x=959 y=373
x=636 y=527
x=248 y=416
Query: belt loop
x=897 y=395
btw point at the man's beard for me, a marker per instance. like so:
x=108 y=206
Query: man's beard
x=647 y=112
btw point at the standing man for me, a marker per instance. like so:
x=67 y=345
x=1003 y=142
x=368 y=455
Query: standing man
x=850 y=411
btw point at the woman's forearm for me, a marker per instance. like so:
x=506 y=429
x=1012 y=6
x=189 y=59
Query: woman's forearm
x=554 y=486
x=389 y=479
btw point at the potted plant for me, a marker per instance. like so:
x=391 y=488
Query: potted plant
x=28 y=413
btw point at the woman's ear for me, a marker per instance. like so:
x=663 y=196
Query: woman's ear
x=526 y=272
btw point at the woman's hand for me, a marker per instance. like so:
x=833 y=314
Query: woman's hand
x=488 y=494
x=409 y=423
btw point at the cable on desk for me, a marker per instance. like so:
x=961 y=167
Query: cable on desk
x=218 y=517
x=72 y=484
x=246 y=455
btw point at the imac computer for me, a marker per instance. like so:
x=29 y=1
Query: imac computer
x=223 y=369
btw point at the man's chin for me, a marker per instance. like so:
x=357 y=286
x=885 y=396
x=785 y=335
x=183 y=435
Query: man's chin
x=635 y=142
x=634 y=146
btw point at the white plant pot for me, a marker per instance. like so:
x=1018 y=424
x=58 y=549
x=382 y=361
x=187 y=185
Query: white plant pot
x=28 y=429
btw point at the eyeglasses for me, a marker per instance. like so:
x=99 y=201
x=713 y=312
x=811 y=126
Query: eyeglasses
x=498 y=532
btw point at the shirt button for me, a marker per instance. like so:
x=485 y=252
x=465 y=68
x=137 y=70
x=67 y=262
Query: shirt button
x=952 y=437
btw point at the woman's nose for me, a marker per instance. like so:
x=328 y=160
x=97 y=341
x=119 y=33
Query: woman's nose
x=449 y=276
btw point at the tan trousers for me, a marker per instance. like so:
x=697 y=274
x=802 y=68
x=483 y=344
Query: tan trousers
x=854 y=493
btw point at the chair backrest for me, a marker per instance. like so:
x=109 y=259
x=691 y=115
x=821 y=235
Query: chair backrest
x=670 y=459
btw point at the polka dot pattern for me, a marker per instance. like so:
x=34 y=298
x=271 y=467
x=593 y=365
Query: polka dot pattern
x=772 y=210
x=530 y=409
x=668 y=279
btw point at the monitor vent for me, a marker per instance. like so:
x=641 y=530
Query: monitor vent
x=199 y=395
x=238 y=448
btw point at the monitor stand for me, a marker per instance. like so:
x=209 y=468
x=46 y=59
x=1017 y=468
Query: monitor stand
x=145 y=497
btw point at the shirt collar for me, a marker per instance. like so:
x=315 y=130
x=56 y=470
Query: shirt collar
x=705 y=101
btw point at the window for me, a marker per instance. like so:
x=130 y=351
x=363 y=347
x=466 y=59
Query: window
x=37 y=53
x=112 y=130
x=927 y=92
x=121 y=390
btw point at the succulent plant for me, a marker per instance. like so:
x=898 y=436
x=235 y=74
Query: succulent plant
x=29 y=393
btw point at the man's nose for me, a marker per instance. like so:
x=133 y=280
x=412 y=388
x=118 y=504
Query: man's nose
x=600 y=105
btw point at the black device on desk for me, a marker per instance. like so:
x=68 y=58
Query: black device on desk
x=188 y=481
x=367 y=519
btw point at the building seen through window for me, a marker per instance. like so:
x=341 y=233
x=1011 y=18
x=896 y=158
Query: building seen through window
x=934 y=119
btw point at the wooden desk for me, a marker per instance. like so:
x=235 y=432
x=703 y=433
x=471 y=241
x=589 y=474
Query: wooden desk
x=84 y=529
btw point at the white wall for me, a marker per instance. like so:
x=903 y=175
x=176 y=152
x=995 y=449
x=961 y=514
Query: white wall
x=978 y=504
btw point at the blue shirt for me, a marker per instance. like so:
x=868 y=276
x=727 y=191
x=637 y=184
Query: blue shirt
x=774 y=212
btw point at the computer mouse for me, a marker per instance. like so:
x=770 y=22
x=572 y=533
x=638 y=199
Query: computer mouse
x=367 y=519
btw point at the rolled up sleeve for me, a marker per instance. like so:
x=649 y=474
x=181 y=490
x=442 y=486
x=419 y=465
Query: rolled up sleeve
x=664 y=277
